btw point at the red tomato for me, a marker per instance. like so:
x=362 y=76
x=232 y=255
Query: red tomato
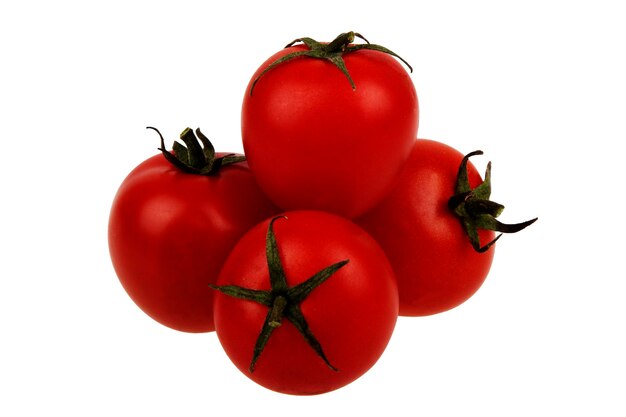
x=435 y=264
x=314 y=142
x=170 y=231
x=348 y=317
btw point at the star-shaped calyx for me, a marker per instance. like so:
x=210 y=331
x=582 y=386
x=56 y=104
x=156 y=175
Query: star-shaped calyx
x=476 y=211
x=282 y=301
x=332 y=52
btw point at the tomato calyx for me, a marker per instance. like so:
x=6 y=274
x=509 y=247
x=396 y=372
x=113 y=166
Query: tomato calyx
x=198 y=156
x=476 y=211
x=282 y=301
x=332 y=52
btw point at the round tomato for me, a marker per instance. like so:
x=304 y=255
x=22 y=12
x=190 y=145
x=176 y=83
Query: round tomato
x=437 y=228
x=318 y=137
x=170 y=231
x=307 y=303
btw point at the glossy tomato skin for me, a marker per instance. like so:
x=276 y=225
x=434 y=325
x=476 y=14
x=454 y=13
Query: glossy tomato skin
x=170 y=231
x=352 y=314
x=315 y=143
x=435 y=264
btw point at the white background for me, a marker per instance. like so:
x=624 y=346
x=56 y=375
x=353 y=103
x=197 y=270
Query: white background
x=538 y=85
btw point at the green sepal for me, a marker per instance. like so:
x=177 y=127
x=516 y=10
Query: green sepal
x=298 y=293
x=379 y=48
x=258 y=296
x=278 y=279
x=311 y=43
x=295 y=316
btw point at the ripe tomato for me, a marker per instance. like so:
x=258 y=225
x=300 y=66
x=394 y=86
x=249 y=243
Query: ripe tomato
x=439 y=263
x=339 y=306
x=314 y=142
x=170 y=231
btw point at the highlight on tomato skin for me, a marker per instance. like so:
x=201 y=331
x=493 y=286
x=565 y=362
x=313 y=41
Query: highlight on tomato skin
x=349 y=317
x=170 y=230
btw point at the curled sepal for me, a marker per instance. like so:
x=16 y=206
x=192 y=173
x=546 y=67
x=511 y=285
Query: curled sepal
x=197 y=155
x=283 y=302
x=333 y=52
x=476 y=211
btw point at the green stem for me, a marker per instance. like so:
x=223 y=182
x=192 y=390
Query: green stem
x=476 y=211
x=341 y=42
x=278 y=308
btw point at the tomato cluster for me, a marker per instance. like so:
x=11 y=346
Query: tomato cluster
x=302 y=254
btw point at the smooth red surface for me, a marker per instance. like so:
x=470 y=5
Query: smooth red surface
x=315 y=143
x=169 y=233
x=435 y=264
x=352 y=314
